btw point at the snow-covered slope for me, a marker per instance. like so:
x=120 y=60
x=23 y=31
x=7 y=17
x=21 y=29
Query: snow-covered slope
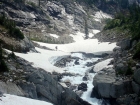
x=45 y=58
x=81 y=45
x=17 y=100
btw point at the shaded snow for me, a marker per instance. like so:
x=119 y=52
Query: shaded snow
x=17 y=100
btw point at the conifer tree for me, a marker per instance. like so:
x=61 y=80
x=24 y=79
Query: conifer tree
x=86 y=28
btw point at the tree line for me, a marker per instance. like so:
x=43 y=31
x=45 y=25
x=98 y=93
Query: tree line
x=130 y=21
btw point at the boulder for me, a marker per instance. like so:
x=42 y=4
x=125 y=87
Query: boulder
x=88 y=64
x=121 y=68
x=107 y=86
x=125 y=44
x=73 y=87
x=95 y=93
x=85 y=78
x=83 y=87
x=29 y=89
x=136 y=87
x=27 y=45
x=76 y=62
x=67 y=82
x=137 y=76
x=79 y=93
x=11 y=88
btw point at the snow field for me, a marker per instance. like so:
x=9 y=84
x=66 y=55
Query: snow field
x=46 y=58
x=8 y=99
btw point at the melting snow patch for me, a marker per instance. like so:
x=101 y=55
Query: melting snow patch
x=78 y=37
x=93 y=33
x=103 y=64
x=54 y=35
x=96 y=31
x=101 y=15
x=79 y=55
x=16 y=100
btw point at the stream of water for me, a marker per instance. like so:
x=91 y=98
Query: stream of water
x=81 y=70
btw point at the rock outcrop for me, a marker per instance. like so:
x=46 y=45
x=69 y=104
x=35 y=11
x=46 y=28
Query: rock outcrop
x=11 y=88
x=10 y=43
x=61 y=17
x=108 y=85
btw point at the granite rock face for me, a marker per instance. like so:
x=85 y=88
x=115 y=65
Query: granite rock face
x=61 y=17
x=107 y=85
x=11 y=88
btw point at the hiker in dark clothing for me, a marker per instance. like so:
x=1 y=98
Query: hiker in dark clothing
x=56 y=48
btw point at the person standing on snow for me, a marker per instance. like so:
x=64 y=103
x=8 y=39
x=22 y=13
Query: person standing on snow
x=56 y=48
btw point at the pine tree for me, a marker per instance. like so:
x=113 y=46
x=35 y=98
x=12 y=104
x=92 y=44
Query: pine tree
x=86 y=29
x=3 y=66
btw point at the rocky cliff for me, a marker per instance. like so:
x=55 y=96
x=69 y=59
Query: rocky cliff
x=39 y=20
x=120 y=84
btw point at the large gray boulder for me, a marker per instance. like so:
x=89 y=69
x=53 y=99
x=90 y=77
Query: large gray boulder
x=27 y=45
x=121 y=68
x=125 y=44
x=29 y=89
x=107 y=85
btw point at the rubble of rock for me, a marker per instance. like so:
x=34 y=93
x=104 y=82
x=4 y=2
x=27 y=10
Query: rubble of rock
x=120 y=83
